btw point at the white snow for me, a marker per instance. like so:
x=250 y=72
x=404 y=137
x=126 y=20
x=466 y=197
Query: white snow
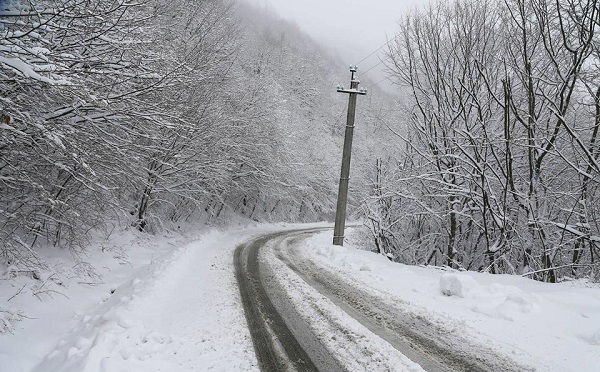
x=171 y=303
x=455 y=284
x=175 y=307
x=554 y=327
x=179 y=314
x=353 y=345
x=29 y=71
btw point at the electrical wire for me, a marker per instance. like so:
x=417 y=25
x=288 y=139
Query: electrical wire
x=380 y=81
x=364 y=73
x=372 y=67
x=373 y=52
x=377 y=50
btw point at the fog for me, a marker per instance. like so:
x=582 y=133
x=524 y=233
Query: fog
x=351 y=28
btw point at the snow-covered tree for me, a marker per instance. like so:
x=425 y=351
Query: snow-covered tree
x=502 y=133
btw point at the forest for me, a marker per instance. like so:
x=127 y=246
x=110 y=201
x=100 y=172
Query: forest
x=151 y=114
x=155 y=113
x=500 y=168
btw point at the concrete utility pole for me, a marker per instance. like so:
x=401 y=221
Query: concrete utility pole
x=340 y=215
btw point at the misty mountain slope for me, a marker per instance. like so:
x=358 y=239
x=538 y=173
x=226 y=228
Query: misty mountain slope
x=300 y=77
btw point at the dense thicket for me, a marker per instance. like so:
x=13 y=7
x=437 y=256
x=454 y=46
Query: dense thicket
x=500 y=167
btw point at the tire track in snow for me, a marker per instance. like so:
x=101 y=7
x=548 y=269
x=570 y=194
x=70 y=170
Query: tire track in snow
x=277 y=347
x=424 y=342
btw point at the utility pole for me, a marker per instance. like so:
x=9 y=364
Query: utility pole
x=340 y=214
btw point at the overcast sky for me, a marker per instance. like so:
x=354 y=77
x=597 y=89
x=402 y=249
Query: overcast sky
x=353 y=27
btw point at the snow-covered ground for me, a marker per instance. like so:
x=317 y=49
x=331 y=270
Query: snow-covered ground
x=167 y=303
x=351 y=343
x=171 y=303
x=553 y=327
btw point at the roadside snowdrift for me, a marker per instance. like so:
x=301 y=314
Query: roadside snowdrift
x=169 y=303
x=555 y=327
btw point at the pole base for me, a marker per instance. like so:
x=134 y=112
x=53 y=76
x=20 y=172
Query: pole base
x=338 y=240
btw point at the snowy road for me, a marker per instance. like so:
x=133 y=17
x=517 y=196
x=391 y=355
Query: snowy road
x=309 y=305
x=303 y=317
x=278 y=346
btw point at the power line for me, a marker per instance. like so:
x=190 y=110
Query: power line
x=376 y=50
x=382 y=80
x=364 y=73
x=373 y=52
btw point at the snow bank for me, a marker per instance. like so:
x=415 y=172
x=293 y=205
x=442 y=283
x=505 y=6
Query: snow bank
x=338 y=255
x=111 y=333
x=453 y=284
x=179 y=313
x=45 y=304
x=494 y=300
x=505 y=302
x=554 y=326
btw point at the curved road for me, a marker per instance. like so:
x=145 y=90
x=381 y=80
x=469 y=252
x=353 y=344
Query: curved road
x=283 y=339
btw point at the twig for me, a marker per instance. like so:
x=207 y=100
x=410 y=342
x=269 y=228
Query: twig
x=16 y=294
x=49 y=293
x=91 y=283
x=556 y=267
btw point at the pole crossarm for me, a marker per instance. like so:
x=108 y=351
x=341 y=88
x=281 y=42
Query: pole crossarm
x=362 y=92
x=340 y=215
